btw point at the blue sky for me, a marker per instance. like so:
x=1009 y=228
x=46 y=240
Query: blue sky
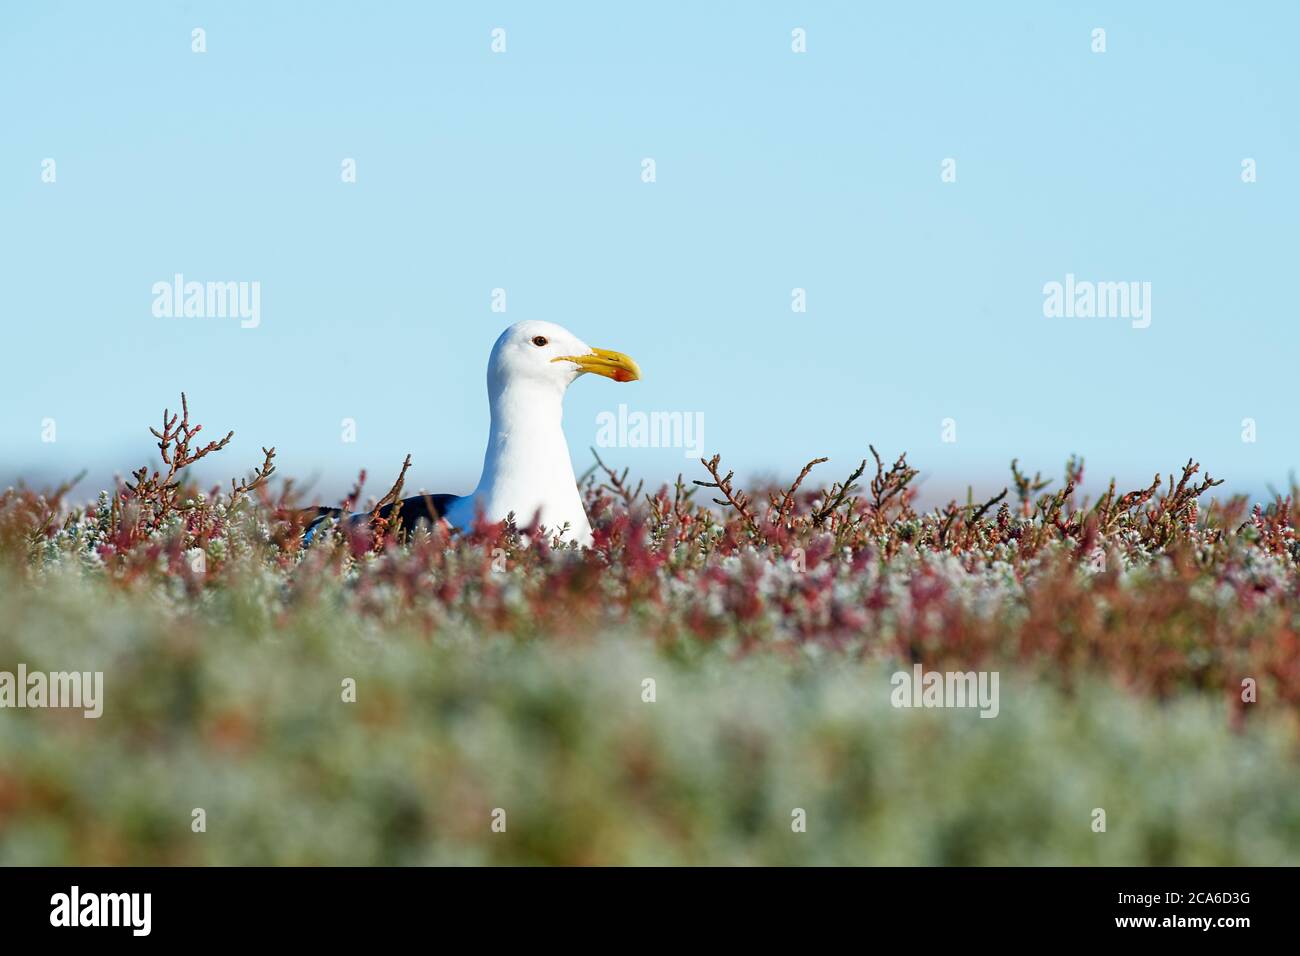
x=774 y=170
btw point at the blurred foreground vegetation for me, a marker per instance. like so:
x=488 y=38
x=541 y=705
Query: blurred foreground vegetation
x=248 y=723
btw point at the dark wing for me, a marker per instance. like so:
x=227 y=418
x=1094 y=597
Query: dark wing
x=426 y=508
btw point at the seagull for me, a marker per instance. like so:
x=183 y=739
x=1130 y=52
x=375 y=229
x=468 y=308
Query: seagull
x=526 y=468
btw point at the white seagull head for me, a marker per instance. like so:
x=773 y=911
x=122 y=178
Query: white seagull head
x=536 y=353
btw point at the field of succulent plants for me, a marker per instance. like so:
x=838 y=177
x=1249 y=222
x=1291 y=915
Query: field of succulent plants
x=715 y=667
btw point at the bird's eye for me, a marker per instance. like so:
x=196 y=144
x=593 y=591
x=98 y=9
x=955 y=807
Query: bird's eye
x=539 y=340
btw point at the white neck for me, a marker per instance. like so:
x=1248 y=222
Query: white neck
x=526 y=468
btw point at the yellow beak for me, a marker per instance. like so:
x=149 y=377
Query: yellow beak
x=615 y=365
